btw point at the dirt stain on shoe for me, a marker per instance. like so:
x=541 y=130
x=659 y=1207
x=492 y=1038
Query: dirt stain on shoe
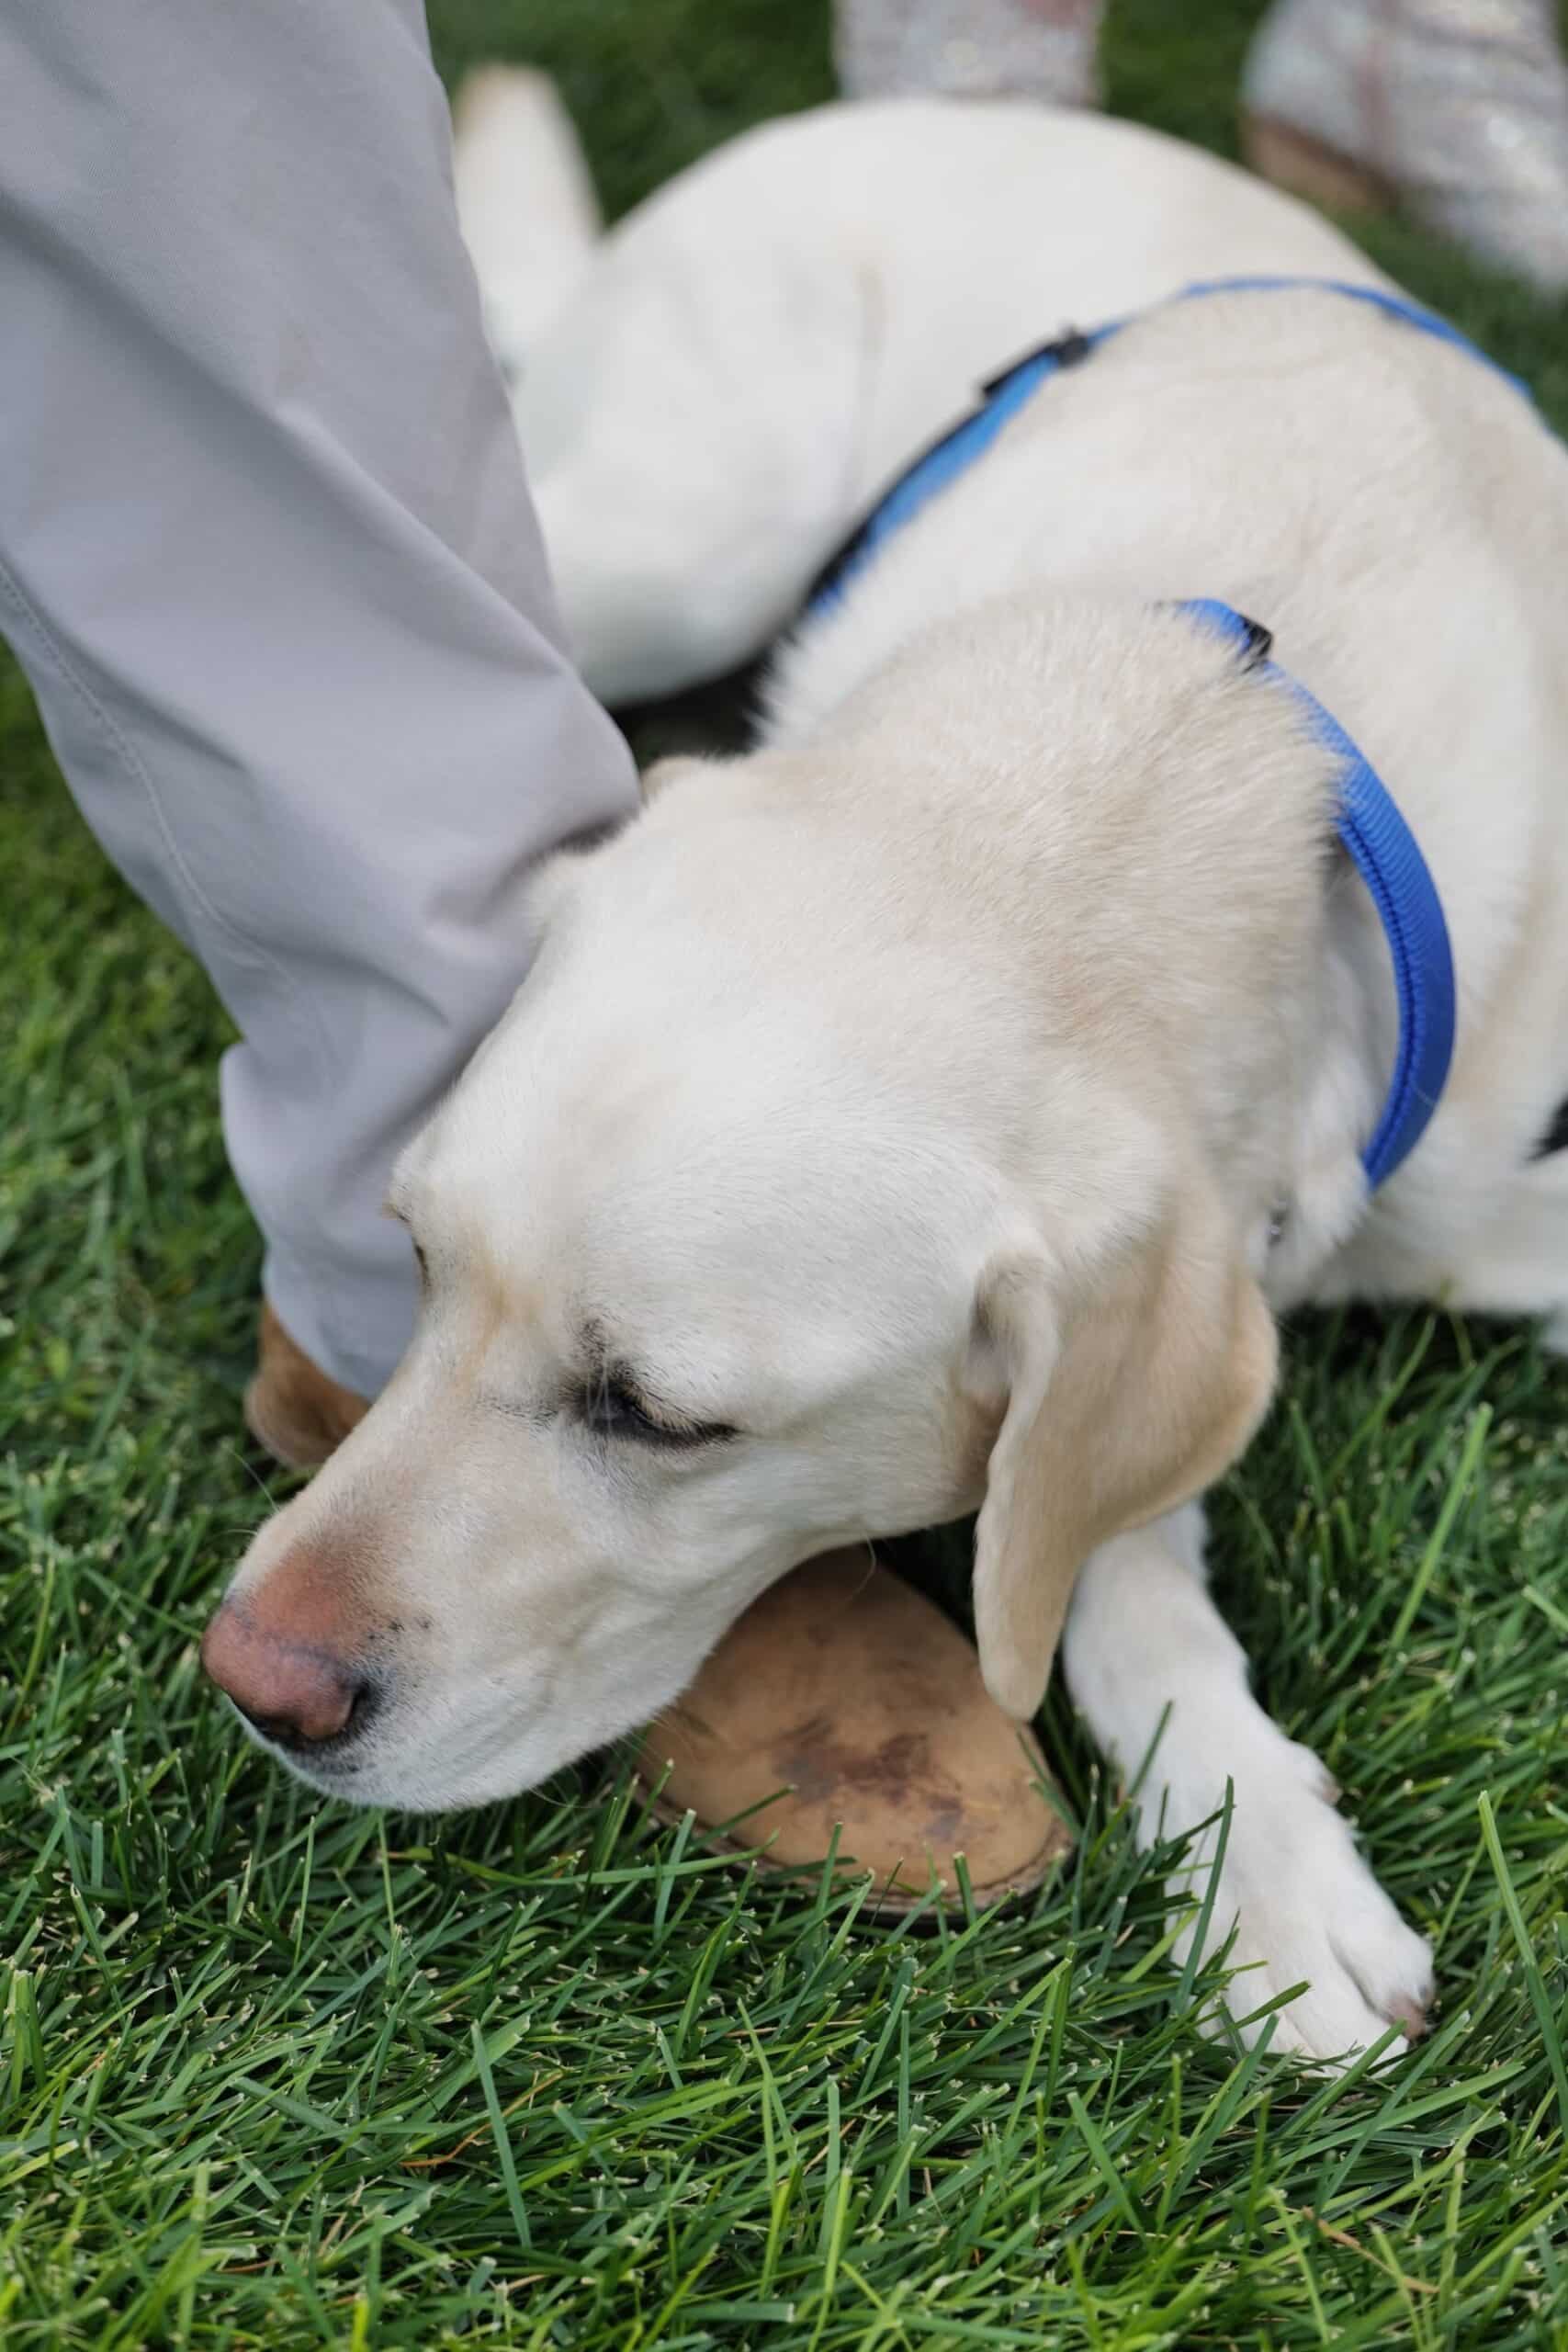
x=819 y=1767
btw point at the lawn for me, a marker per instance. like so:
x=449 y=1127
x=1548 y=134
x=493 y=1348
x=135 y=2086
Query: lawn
x=275 y=2073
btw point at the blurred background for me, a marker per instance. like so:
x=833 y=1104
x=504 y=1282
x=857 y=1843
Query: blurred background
x=654 y=84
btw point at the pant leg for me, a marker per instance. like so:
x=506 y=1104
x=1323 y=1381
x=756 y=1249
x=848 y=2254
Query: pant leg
x=969 y=49
x=267 y=556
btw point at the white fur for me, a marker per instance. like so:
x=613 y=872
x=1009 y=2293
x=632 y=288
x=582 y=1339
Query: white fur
x=529 y=215
x=1160 y=1676
x=1017 y=944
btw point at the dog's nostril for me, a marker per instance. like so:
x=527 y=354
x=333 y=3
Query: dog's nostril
x=361 y=1707
x=314 y=1727
x=280 y=1728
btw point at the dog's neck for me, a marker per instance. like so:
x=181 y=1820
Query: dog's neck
x=1146 y=834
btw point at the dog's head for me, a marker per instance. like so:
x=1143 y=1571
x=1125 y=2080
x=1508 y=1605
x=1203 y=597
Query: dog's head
x=734 y=1248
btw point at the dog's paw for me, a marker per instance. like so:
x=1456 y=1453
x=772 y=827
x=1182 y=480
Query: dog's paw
x=1304 y=1909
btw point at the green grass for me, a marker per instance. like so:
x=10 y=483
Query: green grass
x=275 y=2073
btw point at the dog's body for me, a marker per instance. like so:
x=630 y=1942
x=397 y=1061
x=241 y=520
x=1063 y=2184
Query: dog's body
x=920 y=1096
x=1395 y=513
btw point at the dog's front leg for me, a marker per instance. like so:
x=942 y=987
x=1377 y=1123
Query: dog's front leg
x=1162 y=1682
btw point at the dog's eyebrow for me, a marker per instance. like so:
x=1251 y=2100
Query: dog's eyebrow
x=600 y=1362
x=603 y=1365
x=596 y=1354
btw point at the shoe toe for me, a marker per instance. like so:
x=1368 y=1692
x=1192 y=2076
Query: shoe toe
x=299 y=1412
x=847 y=1691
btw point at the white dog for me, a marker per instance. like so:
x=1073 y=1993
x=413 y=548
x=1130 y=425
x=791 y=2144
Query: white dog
x=929 y=1110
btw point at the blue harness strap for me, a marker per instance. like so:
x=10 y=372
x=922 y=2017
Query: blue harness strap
x=1379 y=842
x=1392 y=306
x=1383 y=851
x=945 y=459
x=1004 y=395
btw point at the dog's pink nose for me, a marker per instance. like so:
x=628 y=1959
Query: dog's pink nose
x=295 y=1690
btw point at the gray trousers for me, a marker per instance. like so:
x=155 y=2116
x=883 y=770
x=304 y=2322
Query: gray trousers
x=267 y=557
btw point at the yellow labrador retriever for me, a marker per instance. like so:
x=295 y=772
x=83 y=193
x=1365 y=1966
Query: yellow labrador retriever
x=930 y=1110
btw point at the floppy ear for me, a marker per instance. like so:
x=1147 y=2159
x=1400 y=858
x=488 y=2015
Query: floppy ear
x=1127 y=1395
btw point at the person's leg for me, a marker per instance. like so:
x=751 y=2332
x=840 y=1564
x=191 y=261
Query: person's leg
x=1457 y=109
x=267 y=556
x=969 y=49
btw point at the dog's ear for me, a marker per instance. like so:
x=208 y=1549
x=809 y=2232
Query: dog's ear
x=1128 y=1388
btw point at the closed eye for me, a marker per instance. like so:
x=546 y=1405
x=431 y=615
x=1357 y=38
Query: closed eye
x=613 y=1407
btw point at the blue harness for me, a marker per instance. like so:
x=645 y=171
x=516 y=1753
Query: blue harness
x=1380 y=842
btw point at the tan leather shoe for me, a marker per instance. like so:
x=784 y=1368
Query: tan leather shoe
x=849 y=1689
x=299 y=1412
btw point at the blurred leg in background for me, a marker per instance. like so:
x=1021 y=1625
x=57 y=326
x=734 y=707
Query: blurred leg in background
x=267 y=556
x=969 y=49
x=1455 y=109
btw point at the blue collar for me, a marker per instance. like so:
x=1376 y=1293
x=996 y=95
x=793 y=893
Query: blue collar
x=1383 y=851
x=1380 y=842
